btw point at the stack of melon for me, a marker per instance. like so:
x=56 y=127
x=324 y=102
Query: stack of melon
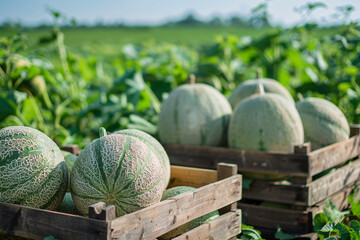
x=264 y=117
x=129 y=169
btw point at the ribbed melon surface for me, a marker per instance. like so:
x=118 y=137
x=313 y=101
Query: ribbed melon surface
x=324 y=123
x=32 y=169
x=119 y=170
x=69 y=160
x=249 y=87
x=171 y=192
x=155 y=146
x=265 y=122
x=194 y=114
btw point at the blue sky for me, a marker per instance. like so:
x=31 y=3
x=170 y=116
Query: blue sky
x=32 y=12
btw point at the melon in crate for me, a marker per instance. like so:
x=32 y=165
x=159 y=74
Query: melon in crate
x=119 y=170
x=249 y=87
x=324 y=123
x=265 y=122
x=155 y=146
x=194 y=114
x=172 y=192
x=67 y=205
x=32 y=169
x=69 y=160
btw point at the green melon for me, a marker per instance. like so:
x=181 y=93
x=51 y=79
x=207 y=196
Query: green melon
x=324 y=123
x=67 y=205
x=69 y=160
x=155 y=146
x=171 y=192
x=249 y=87
x=32 y=169
x=265 y=122
x=119 y=170
x=194 y=114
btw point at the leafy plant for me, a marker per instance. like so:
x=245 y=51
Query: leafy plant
x=336 y=224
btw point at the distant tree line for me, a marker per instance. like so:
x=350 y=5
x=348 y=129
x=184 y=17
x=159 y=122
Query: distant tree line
x=190 y=20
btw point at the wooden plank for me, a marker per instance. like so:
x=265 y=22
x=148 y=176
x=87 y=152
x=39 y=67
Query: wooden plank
x=327 y=185
x=37 y=224
x=334 y=155
x=224 y=227
x=304 y=195
x=101 y=211
x=160 y=218
x=277 y=192
x=252 y=161
x=225 y=170
x=194 y=177
x=72 y=148
x=290 y=220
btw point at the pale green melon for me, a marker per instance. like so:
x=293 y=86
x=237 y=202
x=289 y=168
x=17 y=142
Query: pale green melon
x=69 y=160
x=67 y=205
x=119 y=170
x=32 y=169
x=324 y=123
x=249 y=87
x=171 y=192
x=155 y=146
x=265 y=122
x=194 y=114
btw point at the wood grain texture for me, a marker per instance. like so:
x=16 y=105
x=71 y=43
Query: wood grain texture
x=224 y=227
x=193 y=177
x=333 y=155
x=302 y=164
x=252 y=161
x=329 y=184
x=160 y=218
x=72 y=148
x=290 y=220
x=225 y=170
x=38 y=224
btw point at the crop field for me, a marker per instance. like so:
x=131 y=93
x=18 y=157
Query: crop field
x=78 y=84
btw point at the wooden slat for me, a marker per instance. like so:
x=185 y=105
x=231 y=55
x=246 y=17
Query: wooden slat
x=37 y=224
x=327 y=185
x=252 y=161
x=224 y=227
x=304 y=195
x=160 y=218
x=290 y=220
x=334 y=155
x=194 y=177
x=277 y=192
x=72 y=148
x=225 y=170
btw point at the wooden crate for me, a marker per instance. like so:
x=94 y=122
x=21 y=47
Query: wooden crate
x=219 y=189
x=301 y=191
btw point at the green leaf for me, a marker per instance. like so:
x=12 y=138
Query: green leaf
x=140 y=123
x=329 y=227
x=320 y=220
x=355 y=225
x=343 y=230
x=334 y=215
x=355 y=205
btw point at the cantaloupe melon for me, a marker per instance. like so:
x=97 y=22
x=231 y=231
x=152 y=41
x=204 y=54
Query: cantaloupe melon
x=171 y=192
x=194 y=114
x=119 y=170
x=324 y=123
x=155 y=146
x=69 y=160
x=249 y=87
x=32 y=169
